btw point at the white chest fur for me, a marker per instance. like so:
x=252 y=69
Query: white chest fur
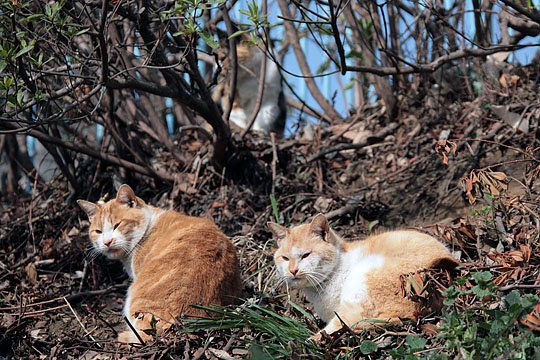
x=347 y=284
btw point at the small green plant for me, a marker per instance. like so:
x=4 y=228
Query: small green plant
x=275 y=336
x=413 y=344
x=486 y=211
x=477 y=324
x=482 y=331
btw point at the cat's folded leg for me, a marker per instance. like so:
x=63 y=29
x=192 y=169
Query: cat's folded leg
x=357 y=318
x=375 y=323
x=129 y=337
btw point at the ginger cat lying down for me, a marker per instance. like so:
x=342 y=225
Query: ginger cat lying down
x=358 y=280
x=174 y=260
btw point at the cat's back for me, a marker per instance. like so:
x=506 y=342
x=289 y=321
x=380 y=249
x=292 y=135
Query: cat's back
x=174 y=227
x=415 y=247
x=187 y=239
x=185 y=260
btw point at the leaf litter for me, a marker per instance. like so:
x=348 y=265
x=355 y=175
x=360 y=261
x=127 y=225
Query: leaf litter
x=58 y=302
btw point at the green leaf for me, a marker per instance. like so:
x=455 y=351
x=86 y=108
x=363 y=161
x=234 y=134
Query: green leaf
x=301 y=310
x=209 y=40
x=496 y=327
x=238 y=33
x=481 y=292
x=450 y=294
x=81 y=32
x=513 y=298
x=349 y=85
x=273 y=203
x=482 y=277
x=416 y=342
x=368 y=347
x=24 y=50
x=323 y=67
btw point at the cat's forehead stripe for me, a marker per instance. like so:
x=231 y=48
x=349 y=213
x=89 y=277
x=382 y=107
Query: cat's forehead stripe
x=297 y=251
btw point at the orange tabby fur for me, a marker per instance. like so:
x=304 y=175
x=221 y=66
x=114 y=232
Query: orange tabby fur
x=174 y=260
x=358 y=280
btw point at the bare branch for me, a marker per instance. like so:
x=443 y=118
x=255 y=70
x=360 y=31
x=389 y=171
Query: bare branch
x=531 y=14
x=437 y=63
x=95 y=153
x=233 y=61
x=300 y=57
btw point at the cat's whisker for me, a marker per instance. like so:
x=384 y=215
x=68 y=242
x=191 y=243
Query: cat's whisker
x=280 y=282
x=287 y=290
x=317 y=285
x=318 y=276
x=312 y=282
x=92 y=254
x=129 y=251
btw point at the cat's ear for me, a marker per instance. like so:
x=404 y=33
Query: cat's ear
x=126 y=195
x=89 y=207
x=319 y=226
x=280 y=232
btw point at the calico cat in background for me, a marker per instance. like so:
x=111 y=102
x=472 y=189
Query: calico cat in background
x=357 y=280
x=173 y=260
x=272 y=112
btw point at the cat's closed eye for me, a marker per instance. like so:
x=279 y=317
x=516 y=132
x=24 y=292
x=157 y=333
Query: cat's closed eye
x=285 y=258
x=97 y=231
x=306 y=255
x=116 y=225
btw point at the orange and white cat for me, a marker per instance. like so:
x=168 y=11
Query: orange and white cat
x=174 y=260
x=357 y=280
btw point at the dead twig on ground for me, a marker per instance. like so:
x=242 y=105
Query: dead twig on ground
x=80 y=323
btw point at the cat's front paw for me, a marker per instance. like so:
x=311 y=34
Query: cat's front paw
x=128 y=337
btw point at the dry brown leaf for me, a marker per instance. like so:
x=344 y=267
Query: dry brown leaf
x=6 y=320
x=429 y=329
x=31 y=272
x=217 y=204
x=507 y=80
x=499 y=175
x=444 y=147
x=464 y=230
x=526 y=251
x=532 y=320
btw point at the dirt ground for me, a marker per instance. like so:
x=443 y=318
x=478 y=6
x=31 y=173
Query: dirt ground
x=56 y=303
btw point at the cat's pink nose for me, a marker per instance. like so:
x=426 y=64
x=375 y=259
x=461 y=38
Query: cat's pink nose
x=108 y=242
x=294 y=271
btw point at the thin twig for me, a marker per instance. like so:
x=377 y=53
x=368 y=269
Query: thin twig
x=304 y=66
x=233 y=67
x=519 y=286
x=274 y=161
x=260 y=90
x=71 y=298
x=134 y=331
x=381 y=134
x=337 y=38
x=80 y=148
x=80 y=323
